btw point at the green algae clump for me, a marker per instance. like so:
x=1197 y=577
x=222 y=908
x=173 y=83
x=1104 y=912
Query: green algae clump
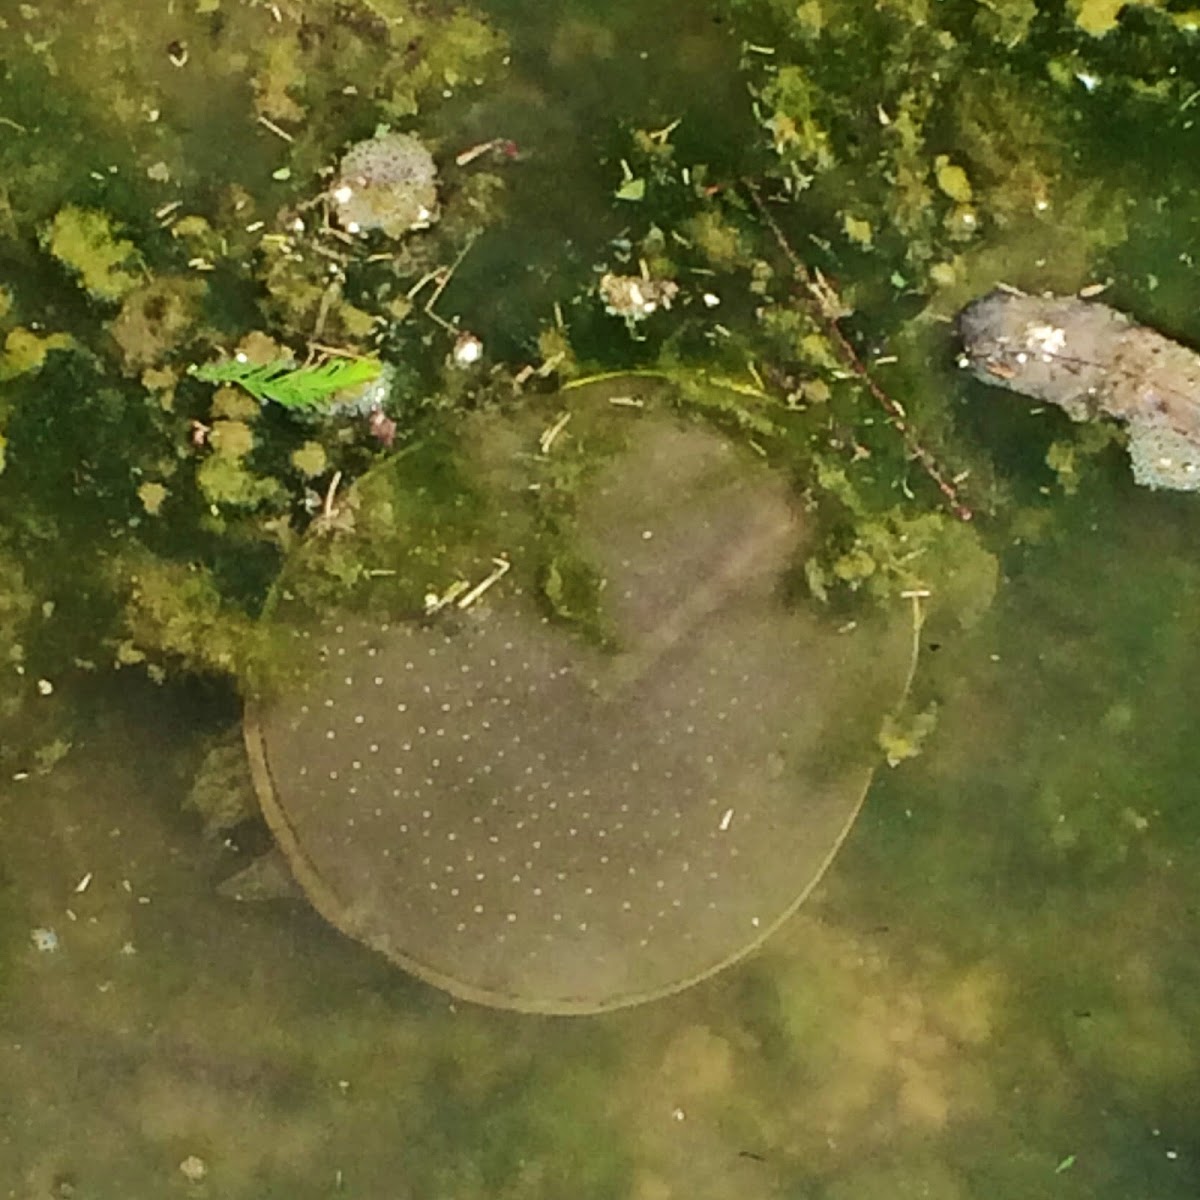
x=883 y=555
x=176 y=610
x=720 y=242
x=310 y=459
x=222 y=793
x=224 y=478
x=952 y=179
x=1097 y=17
x=25 y=351
x=155 y=318
x=86 y=242
x=903 y=734
x=152 y=495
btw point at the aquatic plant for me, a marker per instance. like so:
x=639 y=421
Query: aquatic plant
x=87 y=243
x=294 y=387
x=25 y=351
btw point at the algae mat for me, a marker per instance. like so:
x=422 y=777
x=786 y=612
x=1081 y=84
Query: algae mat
x=566 y=817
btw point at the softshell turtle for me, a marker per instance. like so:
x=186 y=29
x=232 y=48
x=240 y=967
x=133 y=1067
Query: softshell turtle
x=609 y=773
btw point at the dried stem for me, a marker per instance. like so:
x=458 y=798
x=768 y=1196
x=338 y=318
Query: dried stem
x=823 y=301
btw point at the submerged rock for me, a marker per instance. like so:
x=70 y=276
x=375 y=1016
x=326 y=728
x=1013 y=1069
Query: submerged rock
x=1094 y=361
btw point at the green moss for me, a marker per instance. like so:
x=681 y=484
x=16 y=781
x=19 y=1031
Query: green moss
x=795 y=334
x=198 y=236
x=281 y=73
x=48 y=755
x=17 y=601
x=176 y=610
x=792 y=100
x=152 y=495
x=1006 y=21
x=902 y=735
x=25 y=351
x=460 y=50
x=310 y=459
x=222 y=792
x=85 y=241
x=857 y=230
x=1071 y=458
x=885 y=554
x=231 y=440
x=225 y=481
x=233 y=404
x=720 y=242
x=296 y=284
x=155 y=318
x=952 y=179
x=1097 y=17
x=556 y=354
x=572 y=588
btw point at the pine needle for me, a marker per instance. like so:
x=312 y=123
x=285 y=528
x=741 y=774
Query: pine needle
x=284 y=383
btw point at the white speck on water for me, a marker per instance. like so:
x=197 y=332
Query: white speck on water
x=193 y=1168
x=45 y=940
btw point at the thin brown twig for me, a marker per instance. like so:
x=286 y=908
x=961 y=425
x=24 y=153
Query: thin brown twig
x=822 y=300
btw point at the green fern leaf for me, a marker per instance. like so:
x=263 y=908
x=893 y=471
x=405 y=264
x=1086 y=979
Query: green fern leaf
x=282 y=382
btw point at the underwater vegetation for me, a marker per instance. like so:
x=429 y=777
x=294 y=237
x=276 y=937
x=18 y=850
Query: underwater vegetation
x=336 y=269
x=252 y=252
x=296 y=387
x=811 y=271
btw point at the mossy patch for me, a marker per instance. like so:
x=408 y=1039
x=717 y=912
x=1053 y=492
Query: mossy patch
x=86 y=242
x=310 y=459
x=154 y=319
x=152 y=495
x=176 y=610
x=25 y=351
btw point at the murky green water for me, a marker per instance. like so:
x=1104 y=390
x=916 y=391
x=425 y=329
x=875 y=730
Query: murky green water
x=994 y=992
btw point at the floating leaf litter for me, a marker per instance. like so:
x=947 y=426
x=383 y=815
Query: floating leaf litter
x=532 y=819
